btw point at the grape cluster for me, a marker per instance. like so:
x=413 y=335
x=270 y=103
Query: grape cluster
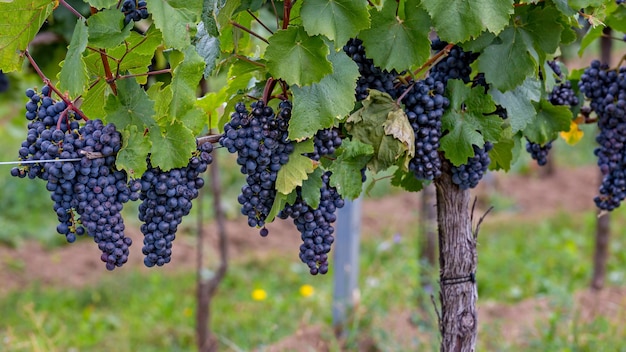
x=424 y=105
x=606 y=90
x=259 y=137
x=134 y=11
x=539 y=152
x=469 y=174
x=371 y=76
x=315 y=225
x=166 y=198
x=456 y=65
x=89 y=185
x=325 y=142
x=4 y=82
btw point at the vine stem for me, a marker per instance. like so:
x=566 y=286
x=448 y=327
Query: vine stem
x=259 y=21
x=287 y=13
x=105 y=62
x=46 y=81
x=249 y=31
x=269 y=87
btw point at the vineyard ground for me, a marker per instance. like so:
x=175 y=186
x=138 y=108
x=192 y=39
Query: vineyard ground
x=525 y=198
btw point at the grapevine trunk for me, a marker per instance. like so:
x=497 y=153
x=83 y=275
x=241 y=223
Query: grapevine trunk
x=457 y=260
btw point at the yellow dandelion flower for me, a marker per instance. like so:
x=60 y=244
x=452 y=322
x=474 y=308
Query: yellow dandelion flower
x=307 y=290
x=259 y=294
x=187 y=312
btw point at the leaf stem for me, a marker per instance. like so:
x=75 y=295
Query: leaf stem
x=241 y=57
x=269 y=87
x=276 y=14
x=259 y=21
x=287 y=5
x=72 y=10
x=249 y=31
x=105 y=63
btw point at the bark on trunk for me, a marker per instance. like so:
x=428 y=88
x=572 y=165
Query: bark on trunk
x=428 y=239
x=457 y=260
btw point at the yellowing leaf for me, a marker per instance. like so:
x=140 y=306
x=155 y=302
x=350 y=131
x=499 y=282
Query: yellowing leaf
x=574 y=135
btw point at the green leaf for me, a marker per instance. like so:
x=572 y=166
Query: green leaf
x=394 y=42
x=465 y=122
x=208 y=47
x=502 y=153
x=19 y=23
x=311 y=188
x=101 y=3
x=346 y=169
x=338 y=20
x=279 y=204
x=367 y=125
x=176 y=19
x=617 y=19
x=104 y=28
x=135 y=148
x=209 y=19
x=95 y=99
x=562 y=6
x=548 y=122
x=296 y=57
x=321 y=104
x=407 y=181
x=581 y=4
x=73 y=76
x=173 y=147
x=212 y=105
x=131 y=106
x=458 y=20
x=590 y=37
x=537 y=32
x=185 y=80
x=297 y=168
x=518 y=102
x=509 y=48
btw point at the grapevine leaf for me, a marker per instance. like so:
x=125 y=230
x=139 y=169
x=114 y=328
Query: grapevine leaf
x=208 y=47
x=346 y=169
x=338 y=20
x=394 y=42
x=319 y=105
x=94 y=100
x=458 y=20
x=173 y=147
x=297 y=168
x=573 y=135
x=185 y=79
x=19 y=22
x=522 y=47
x=176 y=19
x=209 y=19
x=104 y=29
x=101 y=3
x=213 y=106
x=135 y=148
x=311 y=188
x=279 y=204
x=296 y=57
x=581 y=4
x=502 y=153
x=550 y=120
x=73 y=76
x=407 y=181
x=518 y=102
x=465 y=122
x=398 y=126
x=562 y=6
x=131 y=106
x=592 y=34
x=195 y=119
x=617 y=19
x=367 y=125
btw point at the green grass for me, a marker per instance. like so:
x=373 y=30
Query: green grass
x=155 y=311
